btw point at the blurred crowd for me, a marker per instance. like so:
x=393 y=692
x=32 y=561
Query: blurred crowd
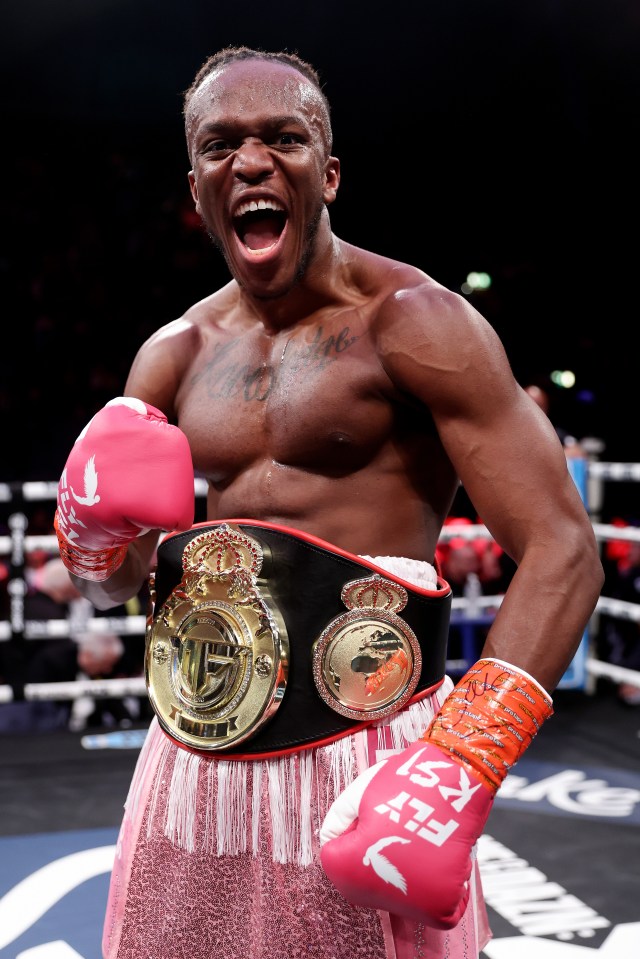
x=79 y=653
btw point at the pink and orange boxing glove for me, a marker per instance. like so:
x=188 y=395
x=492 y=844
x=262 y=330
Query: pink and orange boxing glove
x=400 y=838
x=128 y=472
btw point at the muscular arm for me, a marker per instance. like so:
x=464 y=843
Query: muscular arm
x=435 y=346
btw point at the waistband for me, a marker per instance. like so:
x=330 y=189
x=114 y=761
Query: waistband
x=265 y=639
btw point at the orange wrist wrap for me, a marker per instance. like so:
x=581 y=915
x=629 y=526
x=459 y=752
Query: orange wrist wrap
x=489 y=719
x=94 y=565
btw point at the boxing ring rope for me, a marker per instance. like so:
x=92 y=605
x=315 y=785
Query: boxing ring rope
x=19 y=543
x=96 y=688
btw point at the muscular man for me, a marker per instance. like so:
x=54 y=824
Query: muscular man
x=333 y=399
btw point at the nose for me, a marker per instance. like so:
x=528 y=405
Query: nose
x=252 y=160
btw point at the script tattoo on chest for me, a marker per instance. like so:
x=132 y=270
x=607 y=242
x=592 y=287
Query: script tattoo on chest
x=227 y=378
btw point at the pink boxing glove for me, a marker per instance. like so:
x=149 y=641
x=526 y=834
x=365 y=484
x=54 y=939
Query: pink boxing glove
x=401 y=836
x=128 y=472
x=418 y=816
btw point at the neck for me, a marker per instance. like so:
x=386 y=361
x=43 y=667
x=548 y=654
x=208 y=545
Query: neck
x=319 y=287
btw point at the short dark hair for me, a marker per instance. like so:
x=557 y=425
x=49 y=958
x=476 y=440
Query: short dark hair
x=233 y=54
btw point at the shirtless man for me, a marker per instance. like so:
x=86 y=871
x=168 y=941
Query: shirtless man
x=337 y=396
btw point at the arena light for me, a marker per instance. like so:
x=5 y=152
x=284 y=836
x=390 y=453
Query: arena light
x=476 y=282
x=565 y=379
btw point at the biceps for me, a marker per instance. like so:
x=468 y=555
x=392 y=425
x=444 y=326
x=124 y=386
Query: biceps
x=513 y=468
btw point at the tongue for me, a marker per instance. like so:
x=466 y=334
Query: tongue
x=261 y=233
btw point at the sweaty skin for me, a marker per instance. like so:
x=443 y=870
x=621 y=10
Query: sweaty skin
x=346 y=394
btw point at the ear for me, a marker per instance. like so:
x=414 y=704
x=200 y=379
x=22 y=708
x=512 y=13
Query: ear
x=332 y=179
x=193 y=186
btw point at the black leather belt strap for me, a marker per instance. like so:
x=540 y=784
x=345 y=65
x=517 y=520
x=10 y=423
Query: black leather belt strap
x=305 y=577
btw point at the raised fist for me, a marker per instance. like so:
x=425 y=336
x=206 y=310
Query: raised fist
x=128 y=472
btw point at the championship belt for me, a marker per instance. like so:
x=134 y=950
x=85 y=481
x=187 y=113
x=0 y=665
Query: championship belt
x=264 y=639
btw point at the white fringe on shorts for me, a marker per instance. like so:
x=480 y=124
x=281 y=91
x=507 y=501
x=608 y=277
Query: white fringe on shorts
x=219 y=806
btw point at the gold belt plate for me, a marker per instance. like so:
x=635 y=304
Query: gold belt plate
x=217 y=650
x=367 y=661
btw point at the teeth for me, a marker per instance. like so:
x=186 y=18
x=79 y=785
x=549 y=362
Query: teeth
x=251 y=206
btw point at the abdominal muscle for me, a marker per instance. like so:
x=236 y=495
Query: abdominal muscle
x=367 y=512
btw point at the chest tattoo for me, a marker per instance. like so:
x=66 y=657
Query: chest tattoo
x=225 y=377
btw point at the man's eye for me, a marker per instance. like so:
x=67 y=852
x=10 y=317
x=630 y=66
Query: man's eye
x=287 y=139
x=217 y=146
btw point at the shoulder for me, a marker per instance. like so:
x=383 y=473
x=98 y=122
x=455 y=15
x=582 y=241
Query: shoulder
x=438 y=327
x=163 y=360
x=418 y=323
x=197 y=321
x=433 y=344
x=425 y=305
x=406 y=294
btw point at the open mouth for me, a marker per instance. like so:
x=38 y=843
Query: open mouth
x=259 y=224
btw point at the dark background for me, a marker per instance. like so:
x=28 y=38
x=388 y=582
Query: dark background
x=473 y=135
